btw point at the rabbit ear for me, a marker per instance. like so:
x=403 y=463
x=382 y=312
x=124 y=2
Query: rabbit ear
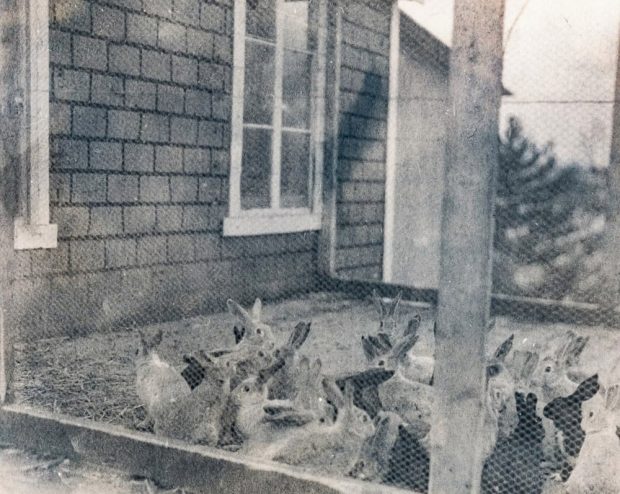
x=563 y=350
x=504 y=348
x=588 y=388
x=402 y=348
x=612 y=397
x=392 y=306
x=349 y=392
x=315 y=370
x=299 y=335
x=333 y=393
x=236 y=310
x=369 y=350
x=413 y=325
x=378 y=303
x=158 y=337
x=257 y=309
x=304 y=365
x=575 y=349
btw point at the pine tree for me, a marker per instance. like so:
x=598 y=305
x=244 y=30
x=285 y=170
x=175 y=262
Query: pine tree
x=542 y=213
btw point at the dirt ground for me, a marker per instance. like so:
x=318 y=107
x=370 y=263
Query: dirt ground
x=22 y=473
x=93 y=376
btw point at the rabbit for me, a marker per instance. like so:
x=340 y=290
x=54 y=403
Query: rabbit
x=365 y=388
x=556 y=375
x=598 y=465
x=255 y=331
x=420 y=368
x=329 y=448
x=388 y=321
x=158 y=384
x=401 y=394
x=283 y=383
x=372 y=463
x=515 y=465
x=500 y=409
x=409 y=461
x=566 y=414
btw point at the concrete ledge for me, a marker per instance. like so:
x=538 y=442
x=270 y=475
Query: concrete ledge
x=170 y=463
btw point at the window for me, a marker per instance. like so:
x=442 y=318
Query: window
x=32 y=228
x=276 y=148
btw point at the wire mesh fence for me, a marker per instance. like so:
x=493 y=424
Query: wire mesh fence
x=187 y=177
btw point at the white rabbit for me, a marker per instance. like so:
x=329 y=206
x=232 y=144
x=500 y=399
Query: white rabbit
x=158 y=384
x=598 y=465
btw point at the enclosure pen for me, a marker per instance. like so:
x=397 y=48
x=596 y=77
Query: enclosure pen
x=246 y=283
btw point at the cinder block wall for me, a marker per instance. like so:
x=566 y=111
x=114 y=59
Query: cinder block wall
x=364 y=82
x=140 y=131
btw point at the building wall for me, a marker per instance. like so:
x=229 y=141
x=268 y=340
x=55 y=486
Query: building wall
x=422 y=112
x=140 y=132
x=362 y=143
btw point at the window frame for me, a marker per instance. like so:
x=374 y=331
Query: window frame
x=275 y=219
x=33 y=229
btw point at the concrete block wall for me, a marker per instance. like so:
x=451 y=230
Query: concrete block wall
x=140 y=148
x=364 y=82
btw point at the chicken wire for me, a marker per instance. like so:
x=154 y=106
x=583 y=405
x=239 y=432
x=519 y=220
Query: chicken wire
x=327 y=375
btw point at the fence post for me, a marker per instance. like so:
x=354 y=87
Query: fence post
x=466 y=243
x=11 y=114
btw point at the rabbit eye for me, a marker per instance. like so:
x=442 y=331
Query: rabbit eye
x=548 y=369
x=246 y=389
x=381 y=363
x=259 y=331
x=591 y=414
x=261 y=354
x=322 y=420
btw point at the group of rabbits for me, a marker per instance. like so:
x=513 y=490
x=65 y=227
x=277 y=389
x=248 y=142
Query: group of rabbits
x=543 y=418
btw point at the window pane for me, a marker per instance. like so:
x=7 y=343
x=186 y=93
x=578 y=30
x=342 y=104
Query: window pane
x=295 y=28
x=256 y=169
x=261 y=19
x=295 y=171
x=296 y=89
x=259 y=83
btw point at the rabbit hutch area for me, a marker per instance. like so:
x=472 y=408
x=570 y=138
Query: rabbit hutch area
x=338 y=386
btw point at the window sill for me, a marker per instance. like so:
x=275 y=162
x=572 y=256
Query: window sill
x=35 y=236
x=241 y=226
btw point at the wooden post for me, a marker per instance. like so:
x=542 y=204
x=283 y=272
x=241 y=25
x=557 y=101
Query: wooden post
x=327 y=237
x=610 y=275
x=466 y=242
x=12 y=17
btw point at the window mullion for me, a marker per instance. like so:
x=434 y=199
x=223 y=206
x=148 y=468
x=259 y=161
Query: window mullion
x=276 y=154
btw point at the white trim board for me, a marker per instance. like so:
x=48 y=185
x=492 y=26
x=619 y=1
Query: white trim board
x=33 y=229
x=391 y=145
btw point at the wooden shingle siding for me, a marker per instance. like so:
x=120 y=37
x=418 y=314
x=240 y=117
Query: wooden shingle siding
x=140 y=151
x=362 y=139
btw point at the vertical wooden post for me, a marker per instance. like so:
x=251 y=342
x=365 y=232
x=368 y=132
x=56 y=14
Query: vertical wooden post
x=610 y=275
x=466 y=242
x=12 y=16
x=327 y=237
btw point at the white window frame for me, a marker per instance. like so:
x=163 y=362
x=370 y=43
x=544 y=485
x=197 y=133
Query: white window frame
x=275 y=219
x=32 y=227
